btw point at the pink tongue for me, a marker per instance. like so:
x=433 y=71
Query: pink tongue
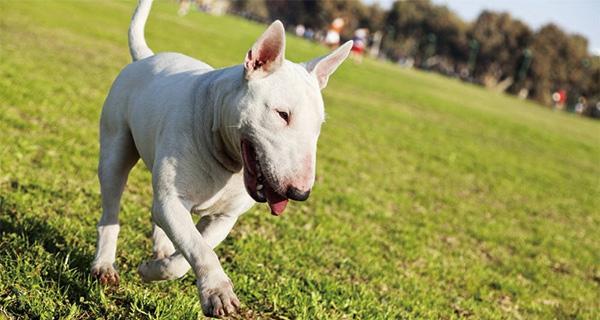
x=277 y=203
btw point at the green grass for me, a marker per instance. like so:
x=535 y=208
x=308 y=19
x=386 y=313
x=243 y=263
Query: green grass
x=434 y=199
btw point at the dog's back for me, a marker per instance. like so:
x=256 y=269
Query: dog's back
x=148 y=89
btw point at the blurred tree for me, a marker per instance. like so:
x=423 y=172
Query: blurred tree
x=559 y=63
x=410 y=25
x=592 y=86
x=253 y=9
x=502 y=41
x=373 y=18
x=314 y=14
x=495 y=49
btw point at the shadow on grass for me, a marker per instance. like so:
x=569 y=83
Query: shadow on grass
x=64 y=267
x=40 y=263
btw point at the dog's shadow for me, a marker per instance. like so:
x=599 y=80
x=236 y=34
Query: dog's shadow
x=60 y=265
x=53 y=264
x=40 y=261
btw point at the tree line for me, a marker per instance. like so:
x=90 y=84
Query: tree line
x=496 y=50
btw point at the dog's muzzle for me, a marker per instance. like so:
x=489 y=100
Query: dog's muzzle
x=296 y=194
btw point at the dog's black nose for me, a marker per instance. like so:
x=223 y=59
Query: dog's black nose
x=297 y=194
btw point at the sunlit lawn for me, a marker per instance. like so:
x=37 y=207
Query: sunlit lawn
x=434 y=199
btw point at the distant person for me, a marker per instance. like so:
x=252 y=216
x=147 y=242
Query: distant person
x=300 y=30
x=214 y=7
x=332 y=39
x=581 y=105
x=309 y=34
x=559 y=98
x=523 y=93
x=184 y=7
x=375 y=44
x=360 y=42
x=320 y=36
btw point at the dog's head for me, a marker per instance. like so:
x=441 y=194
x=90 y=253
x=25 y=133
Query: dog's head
x=280 y=121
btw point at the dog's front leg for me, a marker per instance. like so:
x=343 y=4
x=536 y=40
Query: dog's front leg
x=214 y=229
x=215 y=288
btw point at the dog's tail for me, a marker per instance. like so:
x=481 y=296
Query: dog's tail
x=137 y=43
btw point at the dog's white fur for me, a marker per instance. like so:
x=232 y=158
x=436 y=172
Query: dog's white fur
x=186 y=122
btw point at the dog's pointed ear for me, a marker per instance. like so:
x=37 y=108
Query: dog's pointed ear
x=324 y=66
x=267 y=53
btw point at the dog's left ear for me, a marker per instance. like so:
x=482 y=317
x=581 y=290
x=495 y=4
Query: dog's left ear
x=323 y=67
x=267 y=53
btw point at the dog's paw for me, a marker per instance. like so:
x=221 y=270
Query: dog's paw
x=219 y=300
x=145 y=272
x=169 y=268
x=154 y=270
x=105 y=273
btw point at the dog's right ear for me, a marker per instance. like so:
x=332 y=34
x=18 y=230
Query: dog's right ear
x=323 y=67
x=267 y=53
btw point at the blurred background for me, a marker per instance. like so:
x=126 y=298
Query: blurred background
x=457 y=176
x=542 y=50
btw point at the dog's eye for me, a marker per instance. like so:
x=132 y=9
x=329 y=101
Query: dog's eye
x=284 y=115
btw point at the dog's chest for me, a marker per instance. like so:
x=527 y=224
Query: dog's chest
x=232 y=198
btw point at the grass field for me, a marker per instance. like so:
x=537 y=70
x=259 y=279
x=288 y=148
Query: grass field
x=434 y=199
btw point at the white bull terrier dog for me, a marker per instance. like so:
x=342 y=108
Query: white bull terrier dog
x=216 y=141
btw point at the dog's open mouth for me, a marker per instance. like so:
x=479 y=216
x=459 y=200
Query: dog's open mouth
x=257 y=185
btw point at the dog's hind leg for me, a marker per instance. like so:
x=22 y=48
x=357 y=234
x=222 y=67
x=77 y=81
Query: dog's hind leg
x=214 y=229
x=168 y=268
x=162 y=246
x=117 y=156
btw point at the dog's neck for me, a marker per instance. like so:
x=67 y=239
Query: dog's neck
x=217 y=94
